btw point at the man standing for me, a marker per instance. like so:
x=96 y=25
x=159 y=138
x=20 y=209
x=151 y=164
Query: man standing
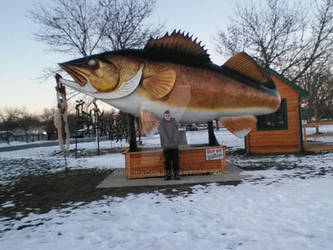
x=169 y=137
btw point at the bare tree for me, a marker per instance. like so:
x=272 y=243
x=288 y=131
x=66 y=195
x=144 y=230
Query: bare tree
x=2 y=117
x=46 y=120
x=127 y=24
x=266 y=33
x=10 y=117
x=318 y=80
x=18 y=118
x=86 y=26
x=27 y=121
x=69 y=26
x=320 y=46
x=295 y=39
x=289 y=38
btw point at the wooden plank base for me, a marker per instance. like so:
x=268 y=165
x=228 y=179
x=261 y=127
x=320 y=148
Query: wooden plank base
x=316 y=148
x=191 y=161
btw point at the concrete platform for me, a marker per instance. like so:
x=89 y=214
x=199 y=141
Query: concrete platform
x=117 y=179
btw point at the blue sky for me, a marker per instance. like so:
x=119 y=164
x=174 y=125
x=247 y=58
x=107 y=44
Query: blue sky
x=24 y=59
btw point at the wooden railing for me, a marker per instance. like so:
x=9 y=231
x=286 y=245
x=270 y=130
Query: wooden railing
x=308 y=146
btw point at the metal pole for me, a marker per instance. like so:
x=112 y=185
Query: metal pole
x=211 y=136
x=97 y=133
x=132 y=136
x=77 y=123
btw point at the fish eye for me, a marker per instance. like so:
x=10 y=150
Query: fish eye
x=92 y=63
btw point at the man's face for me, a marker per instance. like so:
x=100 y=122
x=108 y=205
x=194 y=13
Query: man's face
x=167 y=116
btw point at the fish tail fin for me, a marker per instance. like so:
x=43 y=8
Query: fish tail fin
x=239 y=126
x=148 y=123
x=245 y=65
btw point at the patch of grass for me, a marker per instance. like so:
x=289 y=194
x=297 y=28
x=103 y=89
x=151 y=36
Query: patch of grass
x=93 y=152
x=41 y=193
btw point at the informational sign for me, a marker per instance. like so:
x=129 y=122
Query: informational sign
x=214 y=154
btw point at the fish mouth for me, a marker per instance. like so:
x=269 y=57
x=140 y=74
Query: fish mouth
x=126 y=89
x=77 y=76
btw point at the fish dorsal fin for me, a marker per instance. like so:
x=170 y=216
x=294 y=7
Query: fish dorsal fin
x=239 y=126
x=179 y=44
x=245 y=65
x=161 y=83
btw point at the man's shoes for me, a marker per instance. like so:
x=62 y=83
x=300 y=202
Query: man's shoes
x=167 y=177
x=176 y=177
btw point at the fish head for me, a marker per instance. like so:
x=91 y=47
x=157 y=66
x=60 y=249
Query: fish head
x=102 y=75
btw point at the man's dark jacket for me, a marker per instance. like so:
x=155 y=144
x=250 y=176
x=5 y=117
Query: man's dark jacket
x=169 y=134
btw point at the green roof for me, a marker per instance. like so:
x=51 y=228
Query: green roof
x=302 y=92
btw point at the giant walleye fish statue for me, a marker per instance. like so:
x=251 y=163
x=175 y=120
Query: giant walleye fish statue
x=175 y=73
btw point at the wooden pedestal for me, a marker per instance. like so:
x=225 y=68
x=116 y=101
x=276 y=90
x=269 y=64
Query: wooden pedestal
x=196 y=160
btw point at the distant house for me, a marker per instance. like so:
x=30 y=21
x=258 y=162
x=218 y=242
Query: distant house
x=5 y=135
x=280 y=132
x=31 y=135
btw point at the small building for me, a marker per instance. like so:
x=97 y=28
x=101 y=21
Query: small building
x=280 y=132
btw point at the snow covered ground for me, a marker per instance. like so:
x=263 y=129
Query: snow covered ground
x=283 y=202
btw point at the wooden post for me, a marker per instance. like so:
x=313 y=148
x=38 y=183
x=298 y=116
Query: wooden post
x=131 y=134
x=211 y=136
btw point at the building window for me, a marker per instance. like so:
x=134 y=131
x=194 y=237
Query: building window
x=275 y=121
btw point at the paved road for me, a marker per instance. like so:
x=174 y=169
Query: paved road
x=43 y=144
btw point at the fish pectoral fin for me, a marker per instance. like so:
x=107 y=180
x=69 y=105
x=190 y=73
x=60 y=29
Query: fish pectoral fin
x=148 y=123
x=160 y=84
x=239 y=126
